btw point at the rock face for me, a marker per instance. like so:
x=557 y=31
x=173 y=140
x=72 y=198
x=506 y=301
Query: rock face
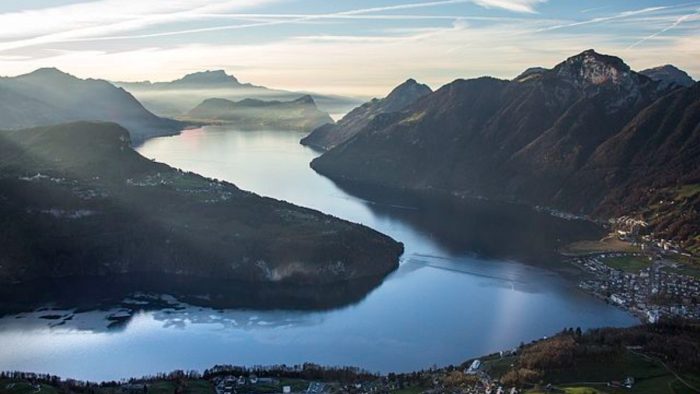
x=669 y=75
x=582 y=137
x=49 y=96
x=300 y=114
x=77 y=201
x=331 y=135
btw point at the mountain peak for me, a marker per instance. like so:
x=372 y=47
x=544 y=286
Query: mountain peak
x=306 y=99
x=209 y=77
x=409 y=88
x=669 y=75
x=592 y=68
x=403 y=95
x=411 y=84
x=48 y=72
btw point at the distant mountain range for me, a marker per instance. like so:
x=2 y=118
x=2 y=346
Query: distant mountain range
x=175 y=98
x=331 y=135
x=48 y=96
x=300 y=114
x=589 y=136
x=77 y=201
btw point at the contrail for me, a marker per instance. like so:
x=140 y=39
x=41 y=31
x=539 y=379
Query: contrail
x=664 y=30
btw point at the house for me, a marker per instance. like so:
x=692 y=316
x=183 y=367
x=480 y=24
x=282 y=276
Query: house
x=653 y=316
x=474 y=367
x=617 y=299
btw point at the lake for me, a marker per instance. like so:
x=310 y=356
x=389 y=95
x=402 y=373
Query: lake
x=476 y=277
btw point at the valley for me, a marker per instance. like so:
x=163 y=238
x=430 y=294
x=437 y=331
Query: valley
x=418 y=231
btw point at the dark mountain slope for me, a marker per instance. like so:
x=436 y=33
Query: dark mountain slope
x=300 y=114
x=535 y=139
x=49 y=96
x=77 y=201
x=331 y=135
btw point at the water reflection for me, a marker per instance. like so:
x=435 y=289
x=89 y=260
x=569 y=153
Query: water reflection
x=486 y=229
x=116 y=316
x=94 y=294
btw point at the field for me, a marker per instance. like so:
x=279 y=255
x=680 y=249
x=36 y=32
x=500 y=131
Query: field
x=10 y=387
x=608 y=244
x=650 y=377
x=632 y=264
x=191 y=387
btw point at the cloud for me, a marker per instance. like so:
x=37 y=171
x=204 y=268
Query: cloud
x=527 y=6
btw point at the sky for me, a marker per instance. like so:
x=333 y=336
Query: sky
x=358 y=48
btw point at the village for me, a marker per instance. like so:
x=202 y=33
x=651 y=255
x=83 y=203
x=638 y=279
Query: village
x=651 y=293
x=226 y=380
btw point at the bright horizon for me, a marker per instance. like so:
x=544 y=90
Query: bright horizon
x=363 y=48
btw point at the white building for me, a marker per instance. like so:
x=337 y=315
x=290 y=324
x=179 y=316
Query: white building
x=653 y=316
x=474 y=367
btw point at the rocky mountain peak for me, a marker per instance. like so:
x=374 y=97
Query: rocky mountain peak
x=410 y=87
x=592 y=68
x=405 y=94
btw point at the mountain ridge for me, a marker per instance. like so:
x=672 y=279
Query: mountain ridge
x=669 y=75
x=530 y=140
x=59 y=97
x=300 y=114
x=331 y=135
x=175 y=98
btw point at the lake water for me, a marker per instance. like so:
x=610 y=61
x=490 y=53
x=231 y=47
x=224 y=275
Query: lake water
x=463 y=288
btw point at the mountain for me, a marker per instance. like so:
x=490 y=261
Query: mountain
x=300 y=114
x=198 y=80
x=669 y=75
x=77 y=201
x=49 y=96
x=583 y=137
x=175 y=98
x=330 y=135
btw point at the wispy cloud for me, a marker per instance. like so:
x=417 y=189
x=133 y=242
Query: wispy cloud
x=100 y=20
x=673 y=25
x=104 y=17
x=620 y=15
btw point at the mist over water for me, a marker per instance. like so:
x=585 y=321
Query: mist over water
x=474 y=279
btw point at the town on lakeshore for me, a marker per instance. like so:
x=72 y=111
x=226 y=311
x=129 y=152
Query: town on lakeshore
x=651 y=278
